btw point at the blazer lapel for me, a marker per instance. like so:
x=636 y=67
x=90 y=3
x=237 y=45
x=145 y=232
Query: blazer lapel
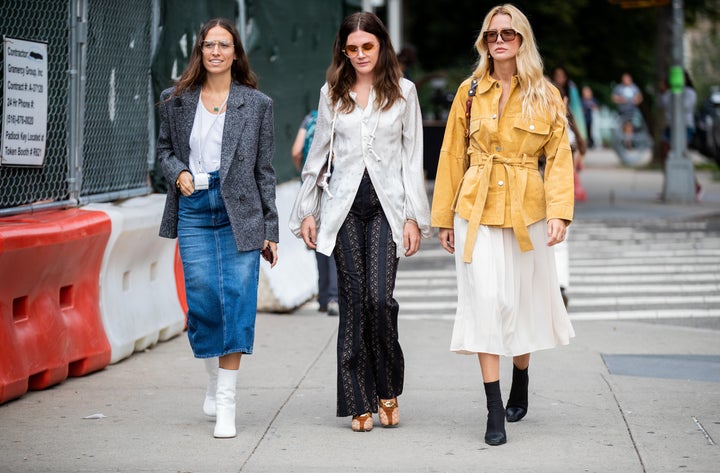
x=235 y=119
x=186 y=107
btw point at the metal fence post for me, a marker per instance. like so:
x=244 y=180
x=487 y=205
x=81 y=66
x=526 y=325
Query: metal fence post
x=76 y=88
x=679 y=171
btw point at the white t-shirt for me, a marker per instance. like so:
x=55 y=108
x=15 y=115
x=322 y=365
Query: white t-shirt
x=206 y=140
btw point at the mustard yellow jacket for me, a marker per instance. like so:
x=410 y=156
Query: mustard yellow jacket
x=495 y=180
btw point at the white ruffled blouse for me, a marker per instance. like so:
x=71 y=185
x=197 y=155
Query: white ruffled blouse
x=389 y=144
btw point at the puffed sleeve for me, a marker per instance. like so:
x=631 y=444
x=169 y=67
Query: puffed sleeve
x=416 y=201
x=309 y=198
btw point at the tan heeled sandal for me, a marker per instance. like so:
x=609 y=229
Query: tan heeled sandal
x=389 y=412
x=363 y=422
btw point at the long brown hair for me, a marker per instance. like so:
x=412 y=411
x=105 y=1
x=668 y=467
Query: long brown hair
x=341 y=75
x=195 y=72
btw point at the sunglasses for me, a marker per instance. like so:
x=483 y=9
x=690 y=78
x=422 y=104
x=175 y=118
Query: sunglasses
x=210 y=45
x=352 y=51
x=507 y=35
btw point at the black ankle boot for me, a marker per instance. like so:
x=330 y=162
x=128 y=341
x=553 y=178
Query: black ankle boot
x=495 y=433
x=517 y=404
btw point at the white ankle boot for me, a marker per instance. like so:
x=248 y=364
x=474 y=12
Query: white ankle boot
x=211 y=365
x=225 y=403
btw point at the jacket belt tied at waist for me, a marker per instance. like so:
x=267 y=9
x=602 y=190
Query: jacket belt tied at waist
x=516 y=170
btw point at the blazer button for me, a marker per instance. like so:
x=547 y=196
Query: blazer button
x=497 y=85
x=532 y=127
x=500 y=183
x=494 y=117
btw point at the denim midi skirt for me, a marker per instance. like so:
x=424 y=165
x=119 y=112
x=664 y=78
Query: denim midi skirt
x=221 y=283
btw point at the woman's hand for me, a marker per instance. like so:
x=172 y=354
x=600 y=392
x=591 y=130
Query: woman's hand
x=411 y=237
x=273 y=249
x=447 y=239
x=556 y=231
x=185 y=183
x=308 y=231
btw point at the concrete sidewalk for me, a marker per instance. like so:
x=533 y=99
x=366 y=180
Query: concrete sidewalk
x=144 y=414
x=617 y=193
x=581 y=418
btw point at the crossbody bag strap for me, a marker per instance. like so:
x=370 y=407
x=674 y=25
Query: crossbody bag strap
x=468 y=109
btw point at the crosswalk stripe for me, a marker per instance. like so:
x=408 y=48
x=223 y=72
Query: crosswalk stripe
x=645 y=314
x=643 y=300
x=577 y=289
x=427 y=273
x=640 y=278
x=414 y=305
x=627 y=261
x=646 y=268
x=652 y=271
x=426 y=292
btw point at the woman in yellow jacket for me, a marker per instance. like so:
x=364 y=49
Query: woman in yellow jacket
x=491 y=203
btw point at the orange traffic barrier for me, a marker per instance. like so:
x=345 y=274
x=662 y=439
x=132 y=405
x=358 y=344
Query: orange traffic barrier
x=180 y=282
x=50 y=325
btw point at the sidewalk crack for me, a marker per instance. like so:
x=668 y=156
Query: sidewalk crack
x=627 y=425
x=294 y=390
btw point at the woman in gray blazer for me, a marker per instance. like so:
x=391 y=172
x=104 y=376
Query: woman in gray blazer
x=215 y=146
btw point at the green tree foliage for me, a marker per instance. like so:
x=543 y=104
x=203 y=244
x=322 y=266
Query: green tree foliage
x=596 y=41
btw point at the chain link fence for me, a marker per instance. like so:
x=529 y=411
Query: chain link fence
x=100 y=114
x=116 y=144
x=108 y=61
x=45 y=21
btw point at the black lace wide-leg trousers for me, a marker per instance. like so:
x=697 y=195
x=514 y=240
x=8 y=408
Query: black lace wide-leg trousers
x=370 y=361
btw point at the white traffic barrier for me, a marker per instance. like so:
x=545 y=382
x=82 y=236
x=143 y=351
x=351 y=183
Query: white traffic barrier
x=139 y=300
x=294 y=280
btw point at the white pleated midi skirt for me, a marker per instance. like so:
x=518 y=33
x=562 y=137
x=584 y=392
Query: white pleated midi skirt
x=509 y=302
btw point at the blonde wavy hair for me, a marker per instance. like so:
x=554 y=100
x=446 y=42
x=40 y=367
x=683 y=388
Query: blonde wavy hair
x=538 y=94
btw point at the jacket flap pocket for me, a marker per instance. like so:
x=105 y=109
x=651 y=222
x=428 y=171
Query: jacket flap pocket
x=534 y=126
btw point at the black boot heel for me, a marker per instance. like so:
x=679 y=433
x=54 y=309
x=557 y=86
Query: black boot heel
x=517 y=404
x=495 y=432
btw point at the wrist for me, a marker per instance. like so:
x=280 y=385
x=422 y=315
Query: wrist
x=177 y=180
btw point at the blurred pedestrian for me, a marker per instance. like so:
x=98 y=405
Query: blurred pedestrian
x=491 y=203
x=407 y=57
x=327 y=270
x=590 y=107
x=570 y=92
x=215 y=139
x=575 y=136
x=372 y=209
x=627 y=96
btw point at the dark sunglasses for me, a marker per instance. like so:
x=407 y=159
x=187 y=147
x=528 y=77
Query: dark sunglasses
x=507 y=35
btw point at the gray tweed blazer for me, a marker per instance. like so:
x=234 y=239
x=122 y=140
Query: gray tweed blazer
x=247 y=176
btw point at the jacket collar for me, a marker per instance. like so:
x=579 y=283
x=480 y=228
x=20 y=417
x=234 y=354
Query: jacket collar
x=486 y=82
x=235 y=114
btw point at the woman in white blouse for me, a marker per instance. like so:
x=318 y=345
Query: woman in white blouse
x=373 y=209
